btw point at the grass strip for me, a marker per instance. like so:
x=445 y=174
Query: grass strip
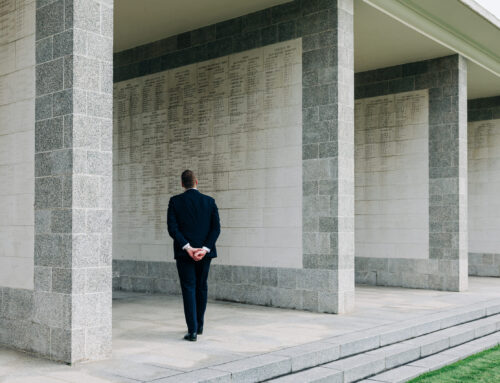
x=483 y=367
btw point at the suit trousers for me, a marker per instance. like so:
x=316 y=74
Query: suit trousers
x=193 y=276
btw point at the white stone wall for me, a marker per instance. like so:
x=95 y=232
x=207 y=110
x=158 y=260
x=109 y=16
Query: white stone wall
x=17 y=138
x=484 y=186
x=392 y=176
x=236 y=121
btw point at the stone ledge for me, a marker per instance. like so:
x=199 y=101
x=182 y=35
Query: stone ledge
x=360 y=354
x=436 y=361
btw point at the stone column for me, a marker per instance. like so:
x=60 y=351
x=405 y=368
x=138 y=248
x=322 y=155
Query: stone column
x=328 y=155
x=448 y=175
x=73 y=176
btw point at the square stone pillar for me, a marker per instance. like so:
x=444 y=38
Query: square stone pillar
x=73 y=177
x=448 y=175
x=328 y=155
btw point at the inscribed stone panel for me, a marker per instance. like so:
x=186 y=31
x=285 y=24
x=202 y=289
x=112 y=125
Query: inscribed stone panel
x=392 y=177
x=236 y=122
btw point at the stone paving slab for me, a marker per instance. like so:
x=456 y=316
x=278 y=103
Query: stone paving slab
x=399 y=374
x=314 y=375
x=205 y=375
x=309 y=355
x=408 y=329
x=257 y=368
x=356 y=342
x=358 y=367
x=435 y=361
x=397 y=354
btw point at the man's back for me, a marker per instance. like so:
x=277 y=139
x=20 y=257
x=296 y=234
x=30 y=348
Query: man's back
x=194 y=216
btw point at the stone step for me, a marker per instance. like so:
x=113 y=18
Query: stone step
x=385 y=341
x=434 y=362
x=405 y=353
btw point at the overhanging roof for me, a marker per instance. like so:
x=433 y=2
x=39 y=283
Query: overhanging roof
x=462 y=26
x=382 y=36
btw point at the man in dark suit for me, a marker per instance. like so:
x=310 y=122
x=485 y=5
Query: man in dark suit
x=193 y=223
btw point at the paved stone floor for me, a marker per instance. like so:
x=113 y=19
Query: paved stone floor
x=147 y=332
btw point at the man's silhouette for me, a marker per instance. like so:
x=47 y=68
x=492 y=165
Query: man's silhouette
x=193 y=223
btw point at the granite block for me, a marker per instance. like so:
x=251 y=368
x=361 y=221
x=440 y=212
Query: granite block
x=100 y=105
x=269 y=35
x=52 y=250
x=43 y=278
x=48 y=192
x=107 y=21
x=53 y=163
x=61 y=221
x=85 y=250
x=63 y=44
x=248 y=40
x=228 y=28
x=105 y=250
x=201 y=36
x=85 y=191
x=65 y=280
x=68 y=71
x=63 y=102
x=87 y=15
x=98 y=280
x=44 y=50
x=269 y=276
x=49 y=77
x=39 y=338
x=85 y=73
x=100 y=47
x=49 y=19
x=43 y=107
x=17 y=303
x=53 y=310
x=287 y=278
x=60 y=348
x=287 y=30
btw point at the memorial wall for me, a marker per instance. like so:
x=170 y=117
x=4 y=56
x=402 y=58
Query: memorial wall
x=484 y=188
x=392 y=176
x=236 y=122
x=17 y=140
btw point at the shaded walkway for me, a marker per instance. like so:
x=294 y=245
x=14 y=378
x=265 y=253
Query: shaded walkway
x=147 y=332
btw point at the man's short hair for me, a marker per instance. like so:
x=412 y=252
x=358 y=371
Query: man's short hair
x=188 y=179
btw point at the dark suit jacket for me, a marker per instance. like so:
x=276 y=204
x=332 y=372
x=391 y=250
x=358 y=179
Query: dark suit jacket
x=193 y=218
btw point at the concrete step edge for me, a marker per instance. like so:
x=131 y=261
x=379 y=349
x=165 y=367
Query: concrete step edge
x=434 y=362
x=388 y=357
x=311 y=355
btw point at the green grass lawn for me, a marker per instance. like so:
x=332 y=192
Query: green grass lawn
x=479 y=368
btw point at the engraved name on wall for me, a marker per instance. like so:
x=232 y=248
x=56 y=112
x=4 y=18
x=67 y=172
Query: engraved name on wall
x=235 y=121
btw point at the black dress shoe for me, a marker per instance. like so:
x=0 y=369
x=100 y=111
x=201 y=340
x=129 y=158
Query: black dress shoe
x=200 y=331
x=190 y=336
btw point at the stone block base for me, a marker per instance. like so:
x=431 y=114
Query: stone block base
x=484 y=264
x=434 y=274
x=302 y=289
